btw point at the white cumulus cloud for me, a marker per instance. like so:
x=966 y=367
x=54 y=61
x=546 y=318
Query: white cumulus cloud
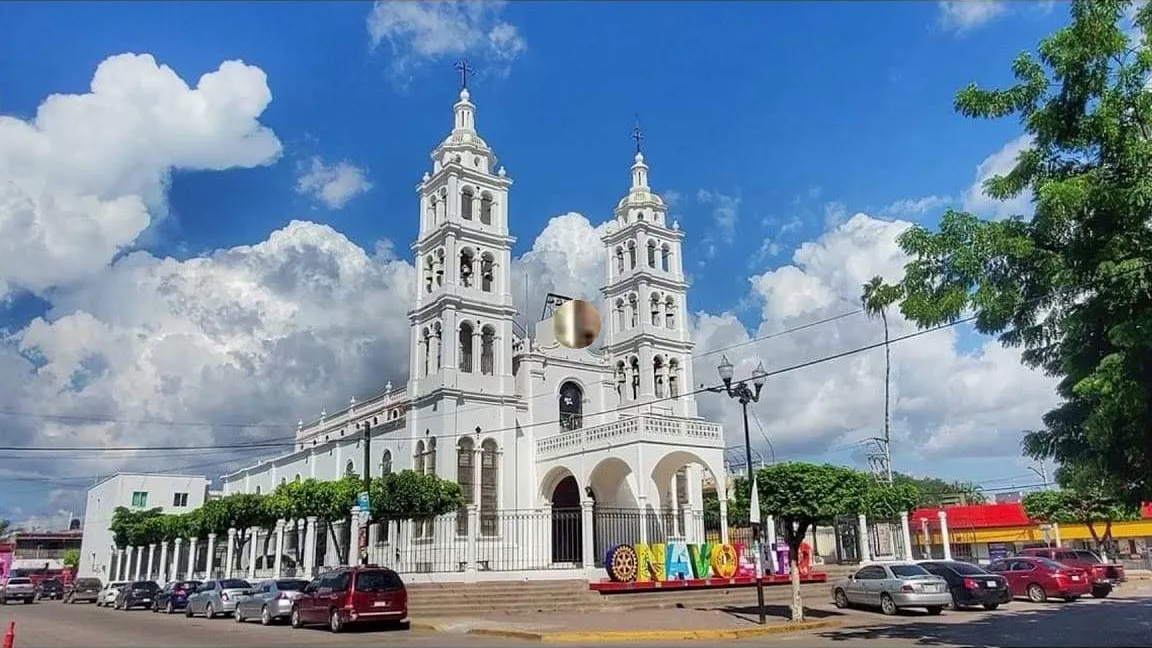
x=997 y=164
x=422 y=32
x=87 y=175
x=964 y=15
x=331 y=184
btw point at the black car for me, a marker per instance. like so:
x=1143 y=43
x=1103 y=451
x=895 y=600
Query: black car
x=970 y=584
x=50 y=589
x=136 y=594
x=83 y=589
x=174 y=596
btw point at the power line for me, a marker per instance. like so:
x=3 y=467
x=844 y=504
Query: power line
x=622 y=408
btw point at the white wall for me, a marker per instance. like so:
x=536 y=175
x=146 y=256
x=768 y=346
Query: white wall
x=103 y=498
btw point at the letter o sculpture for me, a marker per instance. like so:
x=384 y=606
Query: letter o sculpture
x=621 y=563
x=723 y=560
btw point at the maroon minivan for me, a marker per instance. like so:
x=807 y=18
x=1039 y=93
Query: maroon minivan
x=362 y=594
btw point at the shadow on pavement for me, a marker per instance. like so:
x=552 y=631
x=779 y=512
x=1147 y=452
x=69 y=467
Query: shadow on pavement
x=775 y=613
x=1116 y=622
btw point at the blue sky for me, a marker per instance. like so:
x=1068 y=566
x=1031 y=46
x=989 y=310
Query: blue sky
x=792 y=115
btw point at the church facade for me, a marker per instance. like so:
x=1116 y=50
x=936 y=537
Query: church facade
x=544 y=440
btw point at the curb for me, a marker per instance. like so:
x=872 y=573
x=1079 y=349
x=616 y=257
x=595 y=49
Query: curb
x=654 y=635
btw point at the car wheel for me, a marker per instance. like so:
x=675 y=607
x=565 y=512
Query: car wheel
x=887 y=605
x=237 y=617
x=209 y=613
x=168 y=609
x=1036 y=594
x=991 y=606
x=3 y=601
x=840 y=598
x=1101 y=592
x=265 y=616
x=188 y=611
x=335 y=623
x=1069 y=599
x=295 y=620
x=934 y=610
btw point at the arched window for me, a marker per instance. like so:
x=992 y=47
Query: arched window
x=486 y=208
x=674 y=378
x=435 y=341
x=651 y=253
x=619 y=319
x=386 y=463
x=296 y=478
x=619 y=259
x=487 y=350
x=349 y=468
x=489 y=487
x=466 y=269
x=438 y=267
x=433 y=210
x=631 y=255
x=466 y=477
x=257 y=489
x=487 y=272
x=571 y=406
x=466 y=347
x=670 y=312
x=635 y=366
x=466 y=204
x=658 y=375
x=426 y=346
x=633 y=311
x=655 y=306
x=665 y=258
x=418 y=458
x=430 y=462
x=429 y=273
x=621 y=380
x=283 y=480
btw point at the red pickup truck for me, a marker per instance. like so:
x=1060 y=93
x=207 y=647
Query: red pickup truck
x=1103 y=576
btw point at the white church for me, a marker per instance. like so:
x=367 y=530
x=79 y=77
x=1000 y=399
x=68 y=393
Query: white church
x=547 y=442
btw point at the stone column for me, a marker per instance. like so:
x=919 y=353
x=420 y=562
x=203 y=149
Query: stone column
x=906 y=532
x=175 y=573
x=151 y=558
x=944 y=539
x=139 y=563
x=769 y=534
x=112 y=565
x=253 y=541
x=865 y=548
x=230 y=553
x=476 y=349
x=471 y=550
x=192 y=542
x=724 y=520
x=278 y=568
x=588 y=535
x=310 y=545
x=163 y=563
x=210 y=560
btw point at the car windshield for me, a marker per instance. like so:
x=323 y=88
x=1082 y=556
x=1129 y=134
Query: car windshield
x=87 y=582
x=966 y=569
x=145 y=585
x=908 y=571
x=1088 y=557
x=378 y=581
x=234 y=583
x=117 y=584
x=291 y=585
x=185 y=584
x=19 y=581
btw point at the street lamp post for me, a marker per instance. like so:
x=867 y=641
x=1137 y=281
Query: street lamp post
x=745 y=394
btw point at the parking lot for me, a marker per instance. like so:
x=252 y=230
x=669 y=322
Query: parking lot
x=1123 y=620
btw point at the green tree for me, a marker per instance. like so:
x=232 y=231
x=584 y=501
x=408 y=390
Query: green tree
x=886 y=501
x=934 y=492
x=1084 y=497
x=802 y=495
x=409 y=495
x=71 y=558
x=1070 y=286
x=875 y=298
x=126 y=526
x=5 y=526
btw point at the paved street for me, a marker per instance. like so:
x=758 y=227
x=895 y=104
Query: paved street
x=1122 y=621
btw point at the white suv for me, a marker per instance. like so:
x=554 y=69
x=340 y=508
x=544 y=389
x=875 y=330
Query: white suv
x=108 y=595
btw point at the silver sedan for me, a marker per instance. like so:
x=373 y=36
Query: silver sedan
x=892 y=586
x=272 y=601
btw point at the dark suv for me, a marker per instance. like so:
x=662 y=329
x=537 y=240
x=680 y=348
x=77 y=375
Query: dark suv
x=83 y=589
x=363 y=594
x=50 y=589
x=136 y=594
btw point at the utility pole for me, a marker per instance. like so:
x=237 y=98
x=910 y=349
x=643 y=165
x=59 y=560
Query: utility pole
x=362 y=540
x=880 y=460
x=1042 y=472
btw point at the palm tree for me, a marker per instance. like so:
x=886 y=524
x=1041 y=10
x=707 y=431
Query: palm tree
x=876 y=297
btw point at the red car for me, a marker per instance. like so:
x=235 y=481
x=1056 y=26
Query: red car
x=1040 y=578
x=1104 y=576
x=363 y=594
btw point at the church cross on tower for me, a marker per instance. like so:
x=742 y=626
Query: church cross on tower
x=637 y=136
x=464 y=69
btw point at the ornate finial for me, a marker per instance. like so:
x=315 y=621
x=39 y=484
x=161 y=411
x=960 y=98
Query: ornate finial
x=464 y=69
x=323 y=414
x=299 y=424
x=637 y=135
x=501 y=172
x=388 y=386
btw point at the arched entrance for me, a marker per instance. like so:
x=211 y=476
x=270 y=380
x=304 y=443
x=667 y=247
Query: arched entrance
x=567 y=536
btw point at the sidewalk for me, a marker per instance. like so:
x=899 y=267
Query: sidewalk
x=654 y=625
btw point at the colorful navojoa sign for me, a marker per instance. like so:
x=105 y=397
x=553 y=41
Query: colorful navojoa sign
x=643 y=563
